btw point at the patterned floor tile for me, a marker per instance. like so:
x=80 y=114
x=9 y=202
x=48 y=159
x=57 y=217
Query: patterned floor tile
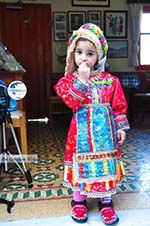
x=47 y=172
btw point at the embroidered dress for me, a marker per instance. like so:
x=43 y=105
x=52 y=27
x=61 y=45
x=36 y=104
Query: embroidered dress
x=99 y=110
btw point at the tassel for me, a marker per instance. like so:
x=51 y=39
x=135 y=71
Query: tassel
x=107 y=185
x=65 y=173
x=73 y=177
x=122 y=168
x=118 y=176
x=88 y=187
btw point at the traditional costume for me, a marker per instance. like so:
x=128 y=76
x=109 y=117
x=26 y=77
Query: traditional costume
x=92 y=160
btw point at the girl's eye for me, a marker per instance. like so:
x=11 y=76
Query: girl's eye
x=90 y=54
x=78 y=51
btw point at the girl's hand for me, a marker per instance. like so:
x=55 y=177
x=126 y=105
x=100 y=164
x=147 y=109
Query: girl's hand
x=84 y=71
x=121 y=137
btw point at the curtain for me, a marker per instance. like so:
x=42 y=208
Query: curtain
x=135 y=13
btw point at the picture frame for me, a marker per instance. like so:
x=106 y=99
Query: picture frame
x=94 y=3
x=75 y=19
x=137 y=1
x=117 y=48
x=60 y=26
x=94 y=17
x=115 y=24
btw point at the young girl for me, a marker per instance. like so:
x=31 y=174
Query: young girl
x=98 y=125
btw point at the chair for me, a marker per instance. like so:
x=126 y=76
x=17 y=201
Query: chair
x=134 y=85
x=56 y=105
x=140 y=106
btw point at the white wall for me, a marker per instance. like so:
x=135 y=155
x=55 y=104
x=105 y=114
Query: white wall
x=117 y=64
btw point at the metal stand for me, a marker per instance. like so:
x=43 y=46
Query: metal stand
x=5 y=116
x=9 y=204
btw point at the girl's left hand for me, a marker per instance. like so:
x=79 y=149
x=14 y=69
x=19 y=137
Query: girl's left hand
x=121 y=136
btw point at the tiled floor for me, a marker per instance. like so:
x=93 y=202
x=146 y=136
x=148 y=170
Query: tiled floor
x=122 y=201
x=127 y=218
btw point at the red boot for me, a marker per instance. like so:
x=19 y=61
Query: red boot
x=79 y=211
x=107 y=213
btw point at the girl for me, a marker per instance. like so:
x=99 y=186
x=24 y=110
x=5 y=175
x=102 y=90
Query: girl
x=92 y=167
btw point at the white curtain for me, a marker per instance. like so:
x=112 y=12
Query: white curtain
x=135 y=15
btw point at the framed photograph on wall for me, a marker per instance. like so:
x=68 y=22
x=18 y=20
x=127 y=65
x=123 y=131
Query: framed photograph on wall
x=117 y=48
x=94 y=17
x=75 y=20
x=60 y=26
x=137 y=1
x=115 y=24
x=101 y=3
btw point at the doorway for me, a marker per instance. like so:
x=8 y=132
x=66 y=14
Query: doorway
x=27 y=34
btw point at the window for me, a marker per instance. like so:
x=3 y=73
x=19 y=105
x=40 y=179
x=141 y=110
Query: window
x=145 y=37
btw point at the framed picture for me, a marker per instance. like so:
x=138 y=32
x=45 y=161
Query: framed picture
x=101 y=3
x=137 y=1
x=117 y=48
x=94 y=17
x=60 y=26
x=75 y=20
x=115 y=24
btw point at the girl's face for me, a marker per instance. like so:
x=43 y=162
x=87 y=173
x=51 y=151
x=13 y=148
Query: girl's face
x=85 y=52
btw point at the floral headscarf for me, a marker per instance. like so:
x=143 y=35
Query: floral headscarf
x=92 y=33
